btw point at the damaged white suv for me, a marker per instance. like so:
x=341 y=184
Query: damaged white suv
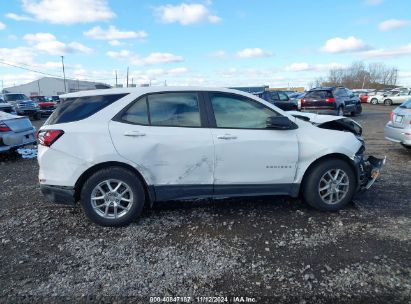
x=118 y=149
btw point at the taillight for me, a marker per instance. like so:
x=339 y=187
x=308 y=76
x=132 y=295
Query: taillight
x=4 y=127
x=302 y=100
x=48 y=137
x=330 y=99
x=391 y=116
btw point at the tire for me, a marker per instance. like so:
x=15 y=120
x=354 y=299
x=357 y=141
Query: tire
x=340 y=111
x=315 y=180
x=374 y=101
x=113 y=208
x=388 y=102
x=406 y=146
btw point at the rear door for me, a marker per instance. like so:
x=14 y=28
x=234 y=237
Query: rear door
x=163 y=135
x=248 y=157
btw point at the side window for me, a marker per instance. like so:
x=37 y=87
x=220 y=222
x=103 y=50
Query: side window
x=233 y=111
x=283 y=97
x=137 y=113
x=174 y=109
x=271 y=96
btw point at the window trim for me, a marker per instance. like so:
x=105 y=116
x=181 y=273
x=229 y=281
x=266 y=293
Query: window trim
x=211 y=115
x=201 y=108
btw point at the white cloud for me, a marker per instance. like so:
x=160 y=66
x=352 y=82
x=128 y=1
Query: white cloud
x=185 y=14
x=19 y=55
x=386 y=53
x=218 y=54
x=373 y=2
x=298 y=67
x=393 y=24
x=115 y=43
x=47 y=43
x=252 y=53
x=112 y=33
x=304 y=67
x=18 y=17
x=68 y=12
x=344 y=45
x=2 y=26
x=151 y=59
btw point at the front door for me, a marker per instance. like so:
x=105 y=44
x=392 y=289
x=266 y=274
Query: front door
x=248 y=157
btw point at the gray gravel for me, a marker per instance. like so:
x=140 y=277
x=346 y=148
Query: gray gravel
x=275 y=249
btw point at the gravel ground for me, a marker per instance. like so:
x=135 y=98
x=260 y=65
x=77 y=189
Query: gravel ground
x=270 y=249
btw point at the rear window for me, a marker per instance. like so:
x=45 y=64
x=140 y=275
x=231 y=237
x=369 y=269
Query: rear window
x=319 y=94
x=75 y=109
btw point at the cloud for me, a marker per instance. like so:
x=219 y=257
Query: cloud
x=2 y=26
x=151 y=59
x=115 y=43
x=19 y=55
x=252 y=53
x=18 y=17
x=112 y=33
x=344 y=45
x=47 y=43
x=68 y=12
x=218 y=54
x=373 y=2
x=304 y=67
x=298 y=67
x=386 y=53
x=185 y=14
x=393 y=24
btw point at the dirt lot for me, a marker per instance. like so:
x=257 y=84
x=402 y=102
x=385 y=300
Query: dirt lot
x=273 y=249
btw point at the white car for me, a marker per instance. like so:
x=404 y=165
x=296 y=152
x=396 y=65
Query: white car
x=115 y=150
x=15 y=132
x=397 y=98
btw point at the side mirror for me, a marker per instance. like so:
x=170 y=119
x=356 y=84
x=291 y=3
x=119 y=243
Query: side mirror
x=280 y=123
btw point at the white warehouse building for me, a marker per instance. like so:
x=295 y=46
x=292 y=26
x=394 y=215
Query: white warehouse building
x=50 y=86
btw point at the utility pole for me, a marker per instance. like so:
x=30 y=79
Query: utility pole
x=64 y=74
x=127 y=77
x=38 y=84
x=116 y=77
x=132 y=81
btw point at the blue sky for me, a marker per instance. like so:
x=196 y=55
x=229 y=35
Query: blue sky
x=212 y=43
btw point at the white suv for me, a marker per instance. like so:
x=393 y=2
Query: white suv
x=115 y=150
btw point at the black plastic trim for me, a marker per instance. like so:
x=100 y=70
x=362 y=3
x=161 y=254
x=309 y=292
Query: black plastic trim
x=59 y=194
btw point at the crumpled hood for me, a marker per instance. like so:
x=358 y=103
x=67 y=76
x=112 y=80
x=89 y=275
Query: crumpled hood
x=338 y=123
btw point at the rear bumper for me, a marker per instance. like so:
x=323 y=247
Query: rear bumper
x=59 y=194
x=13 y=140
x=397 y=135
x=319 y=111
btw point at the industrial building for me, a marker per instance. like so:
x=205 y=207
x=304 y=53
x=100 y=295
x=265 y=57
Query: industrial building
x=50 y=86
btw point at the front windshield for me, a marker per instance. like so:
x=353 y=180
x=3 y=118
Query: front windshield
x=15 y=97
x=406 y=104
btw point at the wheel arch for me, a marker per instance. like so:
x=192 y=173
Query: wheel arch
x=149 y=192
x=323 y=158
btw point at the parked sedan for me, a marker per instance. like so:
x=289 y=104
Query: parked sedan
x=15 y=131
x=398 y=129
x=280 y=99
x=397 y=98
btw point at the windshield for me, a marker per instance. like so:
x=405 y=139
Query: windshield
x=15 y=97
x=406 y=104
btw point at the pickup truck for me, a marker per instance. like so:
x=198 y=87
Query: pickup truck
x=22 y=105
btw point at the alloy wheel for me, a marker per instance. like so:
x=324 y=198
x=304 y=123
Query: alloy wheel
x=333 y=186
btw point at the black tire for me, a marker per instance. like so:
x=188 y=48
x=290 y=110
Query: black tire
x=374 y=101
x=121 y=174
x=311 y=185
x=406 y=146
x=388 y=102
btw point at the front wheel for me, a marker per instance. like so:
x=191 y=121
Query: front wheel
x=113 y=197
x=374 y=101
x=330 y=185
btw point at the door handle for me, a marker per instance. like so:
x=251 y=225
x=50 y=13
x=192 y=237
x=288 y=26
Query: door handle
x=226 y=137
x=134 y=134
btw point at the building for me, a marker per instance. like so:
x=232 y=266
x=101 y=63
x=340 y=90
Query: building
x=50 y=86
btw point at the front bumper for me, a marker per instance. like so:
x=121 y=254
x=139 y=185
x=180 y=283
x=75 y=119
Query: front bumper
x=397 y=135
x=26 y=112
x=368 y=170
x=59 y=194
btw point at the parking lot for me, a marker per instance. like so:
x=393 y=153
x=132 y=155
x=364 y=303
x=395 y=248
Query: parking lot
x=273 y=249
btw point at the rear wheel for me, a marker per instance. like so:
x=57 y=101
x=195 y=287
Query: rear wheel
x=113 y=197
x=388 y=102
x=374 y=101
x=330 y=185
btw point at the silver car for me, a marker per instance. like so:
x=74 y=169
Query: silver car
x=398 y=129
x=15 y=131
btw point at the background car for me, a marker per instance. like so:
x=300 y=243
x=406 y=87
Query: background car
x=280 y=99
x=6 y=106
x=398 y=129
x=397 y=98
x=46 y=105
x=22 y=105
x=15 y=131
x=331 y=100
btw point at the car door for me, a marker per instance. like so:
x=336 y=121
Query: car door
x=163 y=135
x=248 y=157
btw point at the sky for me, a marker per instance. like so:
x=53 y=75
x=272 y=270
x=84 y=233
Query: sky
x=200 y=42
